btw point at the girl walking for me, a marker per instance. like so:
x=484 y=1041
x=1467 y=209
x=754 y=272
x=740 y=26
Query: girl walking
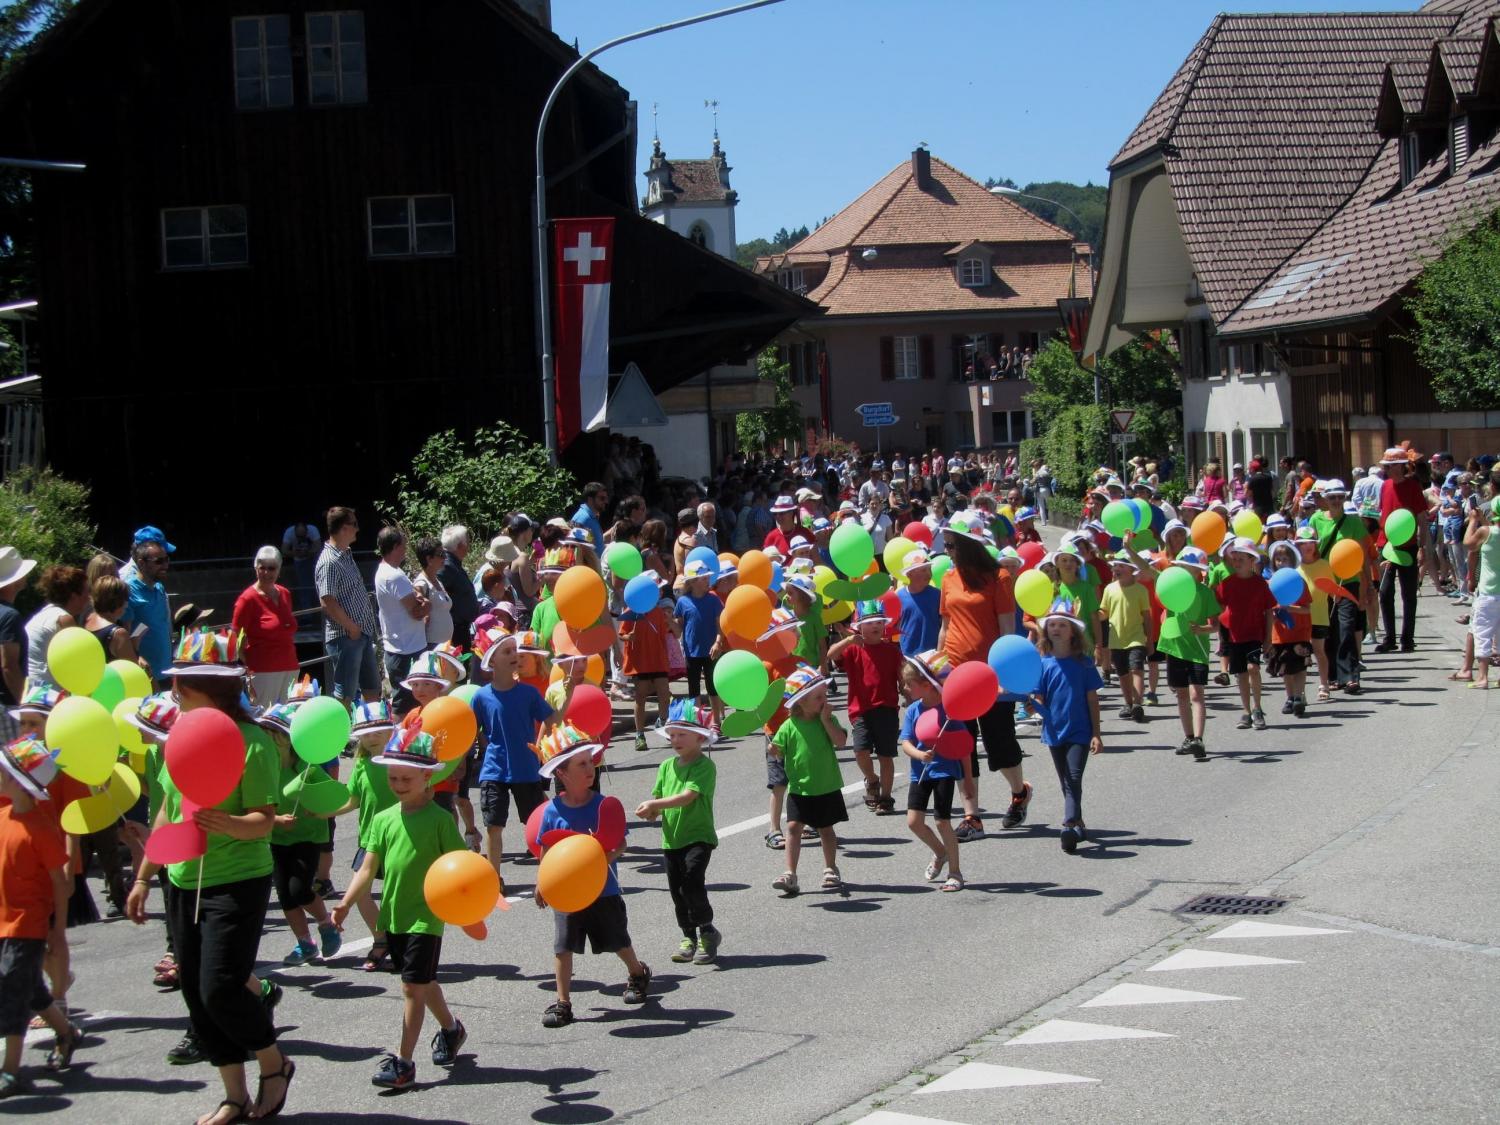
x=1069 y=700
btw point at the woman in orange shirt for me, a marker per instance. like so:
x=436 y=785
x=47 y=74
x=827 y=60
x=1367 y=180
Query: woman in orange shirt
x=977 y=608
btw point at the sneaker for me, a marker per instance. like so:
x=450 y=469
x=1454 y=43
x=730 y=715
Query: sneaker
x=187 y=1051
x=708 y=946
x=1299 y=706
x=1258 y=719
x=558 y=1015
x=330 y=941
x=1245 y=723
x=1027 y=718
x=1069 y=839
x=969 y=828
x=640 y=743
x=786 y=883
x=394 y=1073
x=1200 y=752
x=323 y=888
x=1288 y=706
x=446 y=1044
x=1138 y=713
x=1186 y=747
x=636 y=985
x=1222 y=679
x=301 y=954
x=1124 y=713
x=1151 y=698
x=1015 y=816
x=270 y=996
x=687 y=948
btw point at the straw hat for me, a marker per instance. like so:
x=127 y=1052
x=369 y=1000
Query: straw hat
x=13 y=567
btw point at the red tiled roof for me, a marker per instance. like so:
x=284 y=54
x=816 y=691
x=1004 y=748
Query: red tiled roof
x=695 y=181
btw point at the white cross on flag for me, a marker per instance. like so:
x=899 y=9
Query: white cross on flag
x=583 y=268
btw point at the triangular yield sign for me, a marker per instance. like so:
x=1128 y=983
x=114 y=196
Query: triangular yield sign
x=1122 y=994
x=1213 y=959
x=1268 y=929
x=1122 y=419
x=1072 y=1031
x=984 y=1076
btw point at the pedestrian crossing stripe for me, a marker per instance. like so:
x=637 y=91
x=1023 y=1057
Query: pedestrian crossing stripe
x=985 y=1076
x=1266 y=930
x=1072 y=1031
x=1213 y=959
x=1123 y=994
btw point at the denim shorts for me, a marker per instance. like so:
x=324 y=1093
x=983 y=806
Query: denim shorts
x=352 y=667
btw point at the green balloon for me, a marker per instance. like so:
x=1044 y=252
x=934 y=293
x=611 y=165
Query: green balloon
x=1177 y=589
x=1118 y=518
x=741 y=680
x=1400 y=526
x=445 y=771
x=940 y=567
x=623 y=560
x=316 y=792
x=466 y=692
x=111 y=689
x=320 y=729
x=852 y=549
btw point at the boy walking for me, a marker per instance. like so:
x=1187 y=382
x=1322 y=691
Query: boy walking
x=1126 y=605
x=873 y=665
x=1248 y=605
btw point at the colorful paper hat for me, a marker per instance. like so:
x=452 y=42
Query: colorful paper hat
x=38 y=700
x=1369 y=510
x=968 y=524
x=1307 y=534
x=916 y=559
x=30 y=765
x=1193 y=557
x=371 y=718
x=727 y=570
x=784 y=503
x=429 y=668
x=278 y=717
x=557 y=560
x=530 y=641
x=696 y=568
x=870 y=610
x=562 y=742
x=782 y=621
x=1027 y=513
x=1065 y=608
x=408 y=746
x=1191 y=503
x=933 y=665
x=487 y=643
x=304 y=689
x=205 y=652
x=802 y=682
x=1242 y=546
x=685 y=714
x=155 y=715
x=800 y=566
x=453 y=656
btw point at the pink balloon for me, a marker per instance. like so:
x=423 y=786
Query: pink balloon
x=205 y=755
x=928 y=726
x=970 y=691
x=176 y=843
x=611 y=830
x=955 y=743
x=918 y=532
x=589 y=709
x=533 y=830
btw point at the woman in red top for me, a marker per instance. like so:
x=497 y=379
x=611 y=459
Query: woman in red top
x=264 y=613
x=977 y=608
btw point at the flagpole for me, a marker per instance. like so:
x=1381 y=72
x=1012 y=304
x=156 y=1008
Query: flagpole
x=539 y=207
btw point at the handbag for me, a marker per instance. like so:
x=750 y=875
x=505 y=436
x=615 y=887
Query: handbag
x=676 y=659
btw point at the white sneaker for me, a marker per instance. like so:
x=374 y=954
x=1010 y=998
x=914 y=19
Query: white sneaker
x=786 y=883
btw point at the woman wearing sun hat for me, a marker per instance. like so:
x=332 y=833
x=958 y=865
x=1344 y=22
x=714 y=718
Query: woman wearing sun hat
x=216 y=904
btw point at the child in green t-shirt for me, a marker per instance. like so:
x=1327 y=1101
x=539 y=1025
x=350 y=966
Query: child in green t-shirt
x=1126 y=607
x=404 y=841
x=812 y=638
x=806 y=744
x=1184 y=640
x=370 y=794
x=683 y=797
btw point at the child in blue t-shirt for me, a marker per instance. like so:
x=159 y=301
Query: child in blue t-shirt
x=919 y=622
x=1069 y=699
x=933 y=776
x=698 y=610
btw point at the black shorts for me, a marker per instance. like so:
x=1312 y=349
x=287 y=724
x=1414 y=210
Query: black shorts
x=1185 y=673
x=1128 y=659
x=1287 y=660
x=822 y=810
x=775 y=771
x=469 y=770
x=494 y=800
x=936 y=790
x=700 y=675
x=997 y=728
x=326 y=847
x=415 y=956
x=294 y=867
x=1243 y=654
x=1157 y=656
x=877 y=730
x=603 y=922
x=22 y=987
x=1320 y=632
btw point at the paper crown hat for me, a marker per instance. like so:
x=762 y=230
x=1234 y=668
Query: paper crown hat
x=685 y=714
x=371 y=718
x=487 y=643
x=304 y=689
x=802 y=682
x=453 y=656
x=38 y=700
x=1065 y=608
x=916 y=559
x=870 y=610
x=530 y=641
x=429 y=668
x=207 y=652
x=933 y=665
x=782 y=621
x=278 y=717
x=562 y=742
x=30 y=765
x=557 y=560
x=155 y=715
x=408 y=746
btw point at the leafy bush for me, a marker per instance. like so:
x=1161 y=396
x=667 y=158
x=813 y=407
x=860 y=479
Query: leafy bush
x=46 y=518
x=1172 y=491
x=1076 y=443
x=478 y=481
x=1456 y=306
x=761 y=430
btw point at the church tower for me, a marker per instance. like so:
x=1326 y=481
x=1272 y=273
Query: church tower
x=693 y=197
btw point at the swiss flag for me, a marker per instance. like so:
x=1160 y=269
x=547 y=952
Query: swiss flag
x=583 y=267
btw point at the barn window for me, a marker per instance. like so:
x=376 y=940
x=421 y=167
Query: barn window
x=262 y=62
x=336 y=58
x=195 y=238
x=405 y=226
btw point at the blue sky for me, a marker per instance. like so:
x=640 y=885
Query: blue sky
x=820 y=98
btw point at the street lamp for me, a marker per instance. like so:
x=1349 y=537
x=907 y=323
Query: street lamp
x=539 y=203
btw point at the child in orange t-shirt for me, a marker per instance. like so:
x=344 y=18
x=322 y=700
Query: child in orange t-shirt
x=645 y=659
x=1291 y=636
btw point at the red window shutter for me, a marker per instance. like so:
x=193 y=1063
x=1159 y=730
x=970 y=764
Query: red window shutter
x=887 y=358
x=924 y=358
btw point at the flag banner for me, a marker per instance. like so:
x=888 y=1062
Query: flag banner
x=583 y=267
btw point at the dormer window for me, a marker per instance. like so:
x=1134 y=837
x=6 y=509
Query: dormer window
x=1458 y=143
x=973 y=273
x=792 y=279
x=1411 y=157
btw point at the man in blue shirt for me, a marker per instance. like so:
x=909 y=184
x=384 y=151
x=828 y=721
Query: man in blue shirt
x=595 y=500
x=148 y=607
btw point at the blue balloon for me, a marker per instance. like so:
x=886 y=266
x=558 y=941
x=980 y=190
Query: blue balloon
x=641 y=592
x=777 y=577
x=1287 y=586
x=1158 y=521
x=1017 y=663
x=708 y=559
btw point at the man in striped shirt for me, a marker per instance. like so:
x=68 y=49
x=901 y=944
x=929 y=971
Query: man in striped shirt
x=348 y=619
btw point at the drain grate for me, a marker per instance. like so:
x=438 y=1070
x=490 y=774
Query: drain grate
x=1232 y=904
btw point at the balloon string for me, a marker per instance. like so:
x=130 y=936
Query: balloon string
x=297 y=800
x=198 y=900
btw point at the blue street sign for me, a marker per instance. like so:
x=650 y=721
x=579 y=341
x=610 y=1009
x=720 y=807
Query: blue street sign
x=877 y=414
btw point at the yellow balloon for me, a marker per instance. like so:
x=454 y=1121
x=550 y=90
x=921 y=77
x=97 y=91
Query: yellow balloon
x=133 y=676
x=88 y=815
x=835 y=612
x=76 y=660
x=895 y=553
x=83 y=734
x=129 y=733
x=1034 y=592
x=822 y=575
x=124 y=788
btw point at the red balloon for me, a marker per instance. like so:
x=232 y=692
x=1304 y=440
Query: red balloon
x=1033 y=553
x=176 y=843
x=611 y=830
x=929 y=725
x=970 y=691
x=205 y=755
x=890 y=605
x=589 y=709
x=918 y=532
x=533 y=830
x=552 y=836
x=955 y=743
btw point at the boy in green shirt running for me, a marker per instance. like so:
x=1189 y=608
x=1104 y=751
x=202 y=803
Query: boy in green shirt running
x=404 y=841
x=1184 y=638
x=683 y=797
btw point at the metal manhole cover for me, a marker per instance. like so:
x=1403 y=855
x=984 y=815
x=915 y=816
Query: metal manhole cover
x=1232 y=904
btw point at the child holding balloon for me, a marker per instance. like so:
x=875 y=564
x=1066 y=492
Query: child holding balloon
x=873 y=665
x=404 y=842
x=1189 y=621
x=1069 y=699
x=698 y=612
x=1291 y=628
x=933 y=776
x=644 y=659
x=1248 y=604
x=370 y=793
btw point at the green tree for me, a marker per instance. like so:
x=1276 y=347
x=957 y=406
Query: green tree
x=1456 y=307
x=783 y=421
x=1088 y=200
x=46 y=518
x=477 y=481
x=747 y=252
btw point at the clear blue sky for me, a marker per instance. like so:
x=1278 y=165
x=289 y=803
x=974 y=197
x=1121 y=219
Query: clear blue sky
x=820 y=98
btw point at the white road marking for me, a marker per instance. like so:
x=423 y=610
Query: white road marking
x=1268 y=929
x=1212 y=959
x=985 y=1076
x=1072 y=1031
x=887 y=1117
x=1123 y=994
x=765 y=818
x=45 y=1035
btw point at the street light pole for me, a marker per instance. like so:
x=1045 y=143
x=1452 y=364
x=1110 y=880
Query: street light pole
x=539 y=204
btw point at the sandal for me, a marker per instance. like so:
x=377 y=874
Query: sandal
x=241 y=1110
x=886 y=807
x=935 y=868
x=1323 y=695
x=809 y=832
x=775 y=841
x=376 y=958
x=953 y=883
x=287 y=1072
x=832 y=881
x=872 y=793
x=167 y=977
x=1461 y=677
x=61 y=1055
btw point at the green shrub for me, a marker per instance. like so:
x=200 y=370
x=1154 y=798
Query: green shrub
x=46 y=518
x=1076 y=443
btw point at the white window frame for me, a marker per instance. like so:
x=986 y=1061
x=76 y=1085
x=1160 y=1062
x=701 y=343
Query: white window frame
x=792 y=279
x=413 y=227
x=906 y=358
x=338 y=44
x=262 y=74
x=206 y=239
x=975 y=277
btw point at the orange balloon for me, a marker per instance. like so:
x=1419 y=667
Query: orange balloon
x=580 y=596
x=461 y=888
x=747 y=611
x=729 y=558
x=572 y=873
x=593 y=671
x=1346 y=559
x=1208 y=531
x=452 y=724
x=755 y=569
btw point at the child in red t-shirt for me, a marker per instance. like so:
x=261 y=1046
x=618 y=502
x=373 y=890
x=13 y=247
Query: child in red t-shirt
x=1291 y=636
x=645 y=660
x=873 y=665
x=1248 y=605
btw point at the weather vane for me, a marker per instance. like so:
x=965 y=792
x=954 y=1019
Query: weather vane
x=655 y=126
x=710 y=103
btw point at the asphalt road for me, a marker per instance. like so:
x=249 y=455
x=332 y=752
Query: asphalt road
x=1374 y=816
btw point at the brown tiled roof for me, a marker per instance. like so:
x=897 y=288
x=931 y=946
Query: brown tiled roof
x=1158 y=121
x=1376 y=244
x=696 y=181
x=1460 y=61
x=1410 y=79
